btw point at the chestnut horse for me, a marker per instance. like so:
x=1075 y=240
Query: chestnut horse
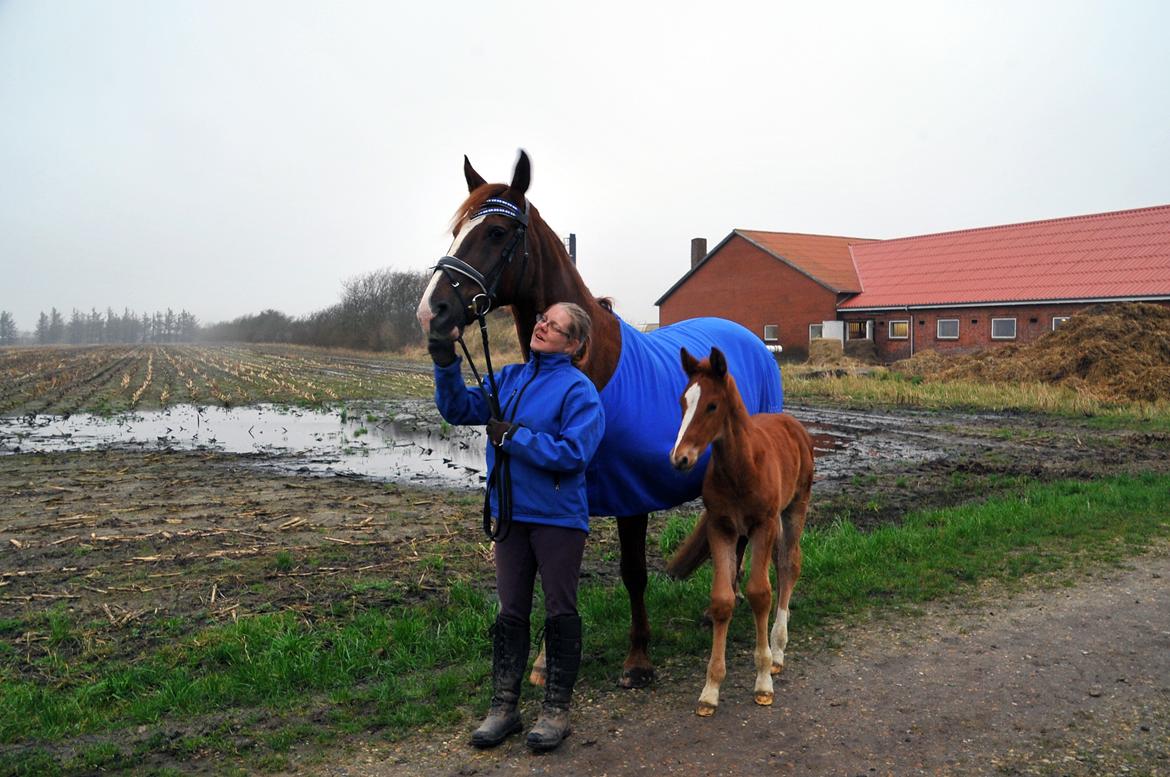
x=504 y=254
x=756 y=487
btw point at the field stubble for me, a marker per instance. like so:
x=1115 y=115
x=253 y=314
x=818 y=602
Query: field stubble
x=114 y=556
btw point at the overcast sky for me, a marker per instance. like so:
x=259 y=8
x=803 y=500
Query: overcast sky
x=228 y=157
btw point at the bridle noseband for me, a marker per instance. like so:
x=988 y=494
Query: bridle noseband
x=453 y=267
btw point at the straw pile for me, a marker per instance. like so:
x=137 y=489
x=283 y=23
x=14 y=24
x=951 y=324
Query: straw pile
x=1116 y=351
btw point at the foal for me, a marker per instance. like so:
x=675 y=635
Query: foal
x=756 y=488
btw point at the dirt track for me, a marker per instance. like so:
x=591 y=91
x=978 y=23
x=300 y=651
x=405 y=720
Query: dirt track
x=1063 y=681
x=128 y=538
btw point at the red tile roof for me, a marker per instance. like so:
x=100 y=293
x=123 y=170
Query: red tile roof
x=825 y=258
x=1124 y=254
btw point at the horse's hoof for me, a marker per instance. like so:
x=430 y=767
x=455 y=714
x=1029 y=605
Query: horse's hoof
x=705 y=710
x=764 y=698
x=536 y=677
x=777 y=669
x=636 y=677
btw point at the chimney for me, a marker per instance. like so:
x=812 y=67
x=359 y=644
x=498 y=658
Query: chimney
x=698 y=250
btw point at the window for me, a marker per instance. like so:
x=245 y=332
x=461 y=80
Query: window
x=899 y=330
x=816 y=331
x=948 y=329
x=1057 y=321
x=771 y=333
x=1003 y=329
x=858 y=330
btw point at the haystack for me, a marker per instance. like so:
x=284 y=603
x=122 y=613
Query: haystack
x=1118 y=351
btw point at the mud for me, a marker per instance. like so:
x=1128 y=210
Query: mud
x=1053 y=682
x=127 y=537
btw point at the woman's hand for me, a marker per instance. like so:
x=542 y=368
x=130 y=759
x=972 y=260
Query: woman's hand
x=442 y=351
x=499 y=431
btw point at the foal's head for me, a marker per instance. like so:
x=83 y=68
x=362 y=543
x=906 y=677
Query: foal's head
x=489 y=250
x=705 y=403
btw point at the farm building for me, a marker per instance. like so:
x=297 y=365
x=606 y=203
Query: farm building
x=952 y=292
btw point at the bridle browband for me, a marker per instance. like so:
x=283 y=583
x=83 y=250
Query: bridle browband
x=480 y=305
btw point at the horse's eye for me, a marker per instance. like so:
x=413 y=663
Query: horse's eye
x=711 y=408
x=497 y=232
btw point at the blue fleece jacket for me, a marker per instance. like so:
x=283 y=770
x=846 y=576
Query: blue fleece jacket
x=561 y=424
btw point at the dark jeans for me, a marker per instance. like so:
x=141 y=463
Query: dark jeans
x=553 y=551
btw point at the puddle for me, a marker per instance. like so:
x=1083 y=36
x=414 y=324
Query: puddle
x=308 y=441
x=410 y=448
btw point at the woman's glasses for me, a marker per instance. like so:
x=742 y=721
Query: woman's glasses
x=541 y=318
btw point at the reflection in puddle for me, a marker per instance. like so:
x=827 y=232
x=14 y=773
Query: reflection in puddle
x=405 y=449
x=322 y=442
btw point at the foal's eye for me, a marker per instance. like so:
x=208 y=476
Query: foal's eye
x=711 y=408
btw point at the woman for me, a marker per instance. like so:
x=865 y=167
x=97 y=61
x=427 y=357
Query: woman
x=552 y=423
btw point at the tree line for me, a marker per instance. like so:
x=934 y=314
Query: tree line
x=376 y=312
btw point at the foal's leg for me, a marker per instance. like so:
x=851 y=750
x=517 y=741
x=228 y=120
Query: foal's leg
x=722 y=605
x=638 y=671
x=759 y=594
x=538 y=674
x=787 y=557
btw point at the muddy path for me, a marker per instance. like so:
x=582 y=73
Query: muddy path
x=126 y=539
x=1053 y=681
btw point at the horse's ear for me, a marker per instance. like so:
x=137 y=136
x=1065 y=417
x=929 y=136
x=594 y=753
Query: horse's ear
x=689 y=363
x=522 y=175
x=474 y=179
x=718 y=362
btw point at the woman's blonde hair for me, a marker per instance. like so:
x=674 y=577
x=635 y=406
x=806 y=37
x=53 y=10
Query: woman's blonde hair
x=580 y=326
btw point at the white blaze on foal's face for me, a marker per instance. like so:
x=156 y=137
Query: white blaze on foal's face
x=691 y=403
x=424 y=313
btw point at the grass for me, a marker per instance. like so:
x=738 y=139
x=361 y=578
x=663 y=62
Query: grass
x=883 y=387
x=409 y=665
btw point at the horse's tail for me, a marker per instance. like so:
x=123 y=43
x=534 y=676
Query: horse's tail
x=692 y=553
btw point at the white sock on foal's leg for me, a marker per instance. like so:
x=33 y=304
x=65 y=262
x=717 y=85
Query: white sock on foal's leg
x=779 y=640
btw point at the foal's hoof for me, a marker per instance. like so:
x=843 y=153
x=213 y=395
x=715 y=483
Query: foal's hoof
x=636 y=677
x=764 y=698
x=705 y=710
x=777 y=669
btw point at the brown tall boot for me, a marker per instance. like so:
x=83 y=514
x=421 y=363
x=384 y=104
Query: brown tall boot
x=563 y=643
x=509 y=657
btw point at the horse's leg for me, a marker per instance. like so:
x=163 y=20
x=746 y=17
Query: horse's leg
x=722 y=605
x=538 y=674
x=759 y=595
x=638 y=671
x=787 y=557
x=740 y=546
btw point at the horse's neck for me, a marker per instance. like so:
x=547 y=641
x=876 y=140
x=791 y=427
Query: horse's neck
x=732 y=453
x=555 y=279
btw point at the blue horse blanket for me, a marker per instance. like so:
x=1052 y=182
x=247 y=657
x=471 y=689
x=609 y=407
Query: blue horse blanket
x=631 y=471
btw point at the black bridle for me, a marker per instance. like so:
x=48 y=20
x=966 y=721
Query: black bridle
x=457 y=273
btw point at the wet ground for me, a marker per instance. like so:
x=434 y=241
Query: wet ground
x=192 y=532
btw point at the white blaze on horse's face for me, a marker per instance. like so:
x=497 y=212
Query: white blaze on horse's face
x=691 y=403
x=424 y=314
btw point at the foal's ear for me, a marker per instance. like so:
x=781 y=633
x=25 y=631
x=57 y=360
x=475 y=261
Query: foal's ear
x=718 y=362
x=474 y=179
x=522 y=175
x=689 y=363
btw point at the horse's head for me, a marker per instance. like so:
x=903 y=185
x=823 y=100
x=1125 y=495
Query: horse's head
x=705 y=403
x=485 y=261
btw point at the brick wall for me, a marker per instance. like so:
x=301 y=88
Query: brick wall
x=746 y=285
x=1032 y=321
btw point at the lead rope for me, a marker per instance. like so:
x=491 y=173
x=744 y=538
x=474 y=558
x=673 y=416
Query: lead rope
x=500 y=476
